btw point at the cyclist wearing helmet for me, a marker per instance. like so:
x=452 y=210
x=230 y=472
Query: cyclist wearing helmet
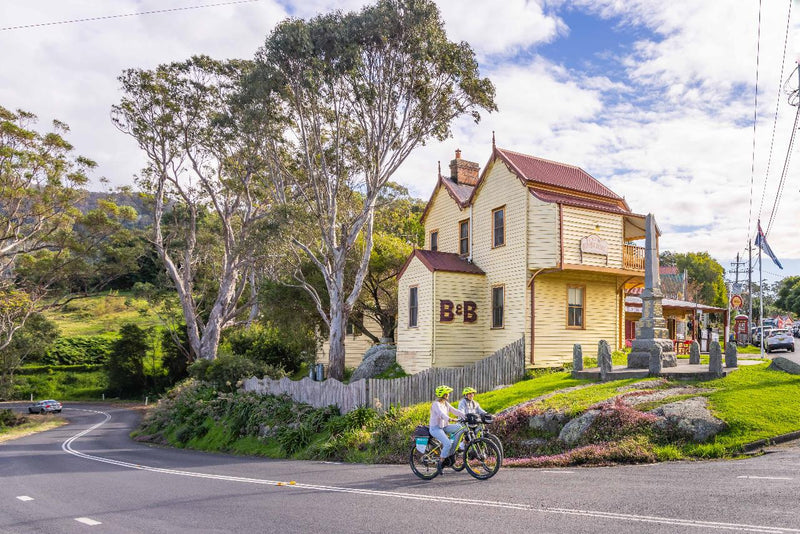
x=439 y=423
x=467 y=404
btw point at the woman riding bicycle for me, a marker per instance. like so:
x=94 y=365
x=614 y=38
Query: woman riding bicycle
x=468 y=404
x=439 y=423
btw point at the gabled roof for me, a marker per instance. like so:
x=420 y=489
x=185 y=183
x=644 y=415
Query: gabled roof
x=545 y=172
x=441 y=261
x=460 y=193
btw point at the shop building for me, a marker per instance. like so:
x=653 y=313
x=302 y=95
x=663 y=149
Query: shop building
x=527 y=247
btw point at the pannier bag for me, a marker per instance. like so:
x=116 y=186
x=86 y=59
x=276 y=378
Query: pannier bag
x=421 y=435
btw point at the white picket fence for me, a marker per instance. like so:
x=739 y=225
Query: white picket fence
x=505 y=366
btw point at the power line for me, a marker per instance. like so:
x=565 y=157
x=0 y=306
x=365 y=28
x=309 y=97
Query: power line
x=777 y=107
x=156 y=11
x=755 y=121
x=782 y=182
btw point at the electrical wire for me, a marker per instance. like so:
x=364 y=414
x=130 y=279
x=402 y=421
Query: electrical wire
x=777 y=107
x=779 y=193
x=755 y=122
x=153 y=12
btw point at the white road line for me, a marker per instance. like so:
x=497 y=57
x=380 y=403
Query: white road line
x=674 y=521
x=25 y=498
x=765 y=478
x=87 y=521
x=557 y=472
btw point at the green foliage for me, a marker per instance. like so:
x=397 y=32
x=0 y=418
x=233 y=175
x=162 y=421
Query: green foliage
x=9 y=418
x=228 y=369
x=264 y=344
x=59 y=383
x=125 y=364
x=176 y=354
x=706 y=276
x=395 y=371
x=79 y=368
x=789 y=295
x=76 y=350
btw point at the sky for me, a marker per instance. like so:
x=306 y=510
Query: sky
x=655 y=99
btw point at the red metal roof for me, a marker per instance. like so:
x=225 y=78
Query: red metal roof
x=441 y=261
x=546 y=172
x=579 y=202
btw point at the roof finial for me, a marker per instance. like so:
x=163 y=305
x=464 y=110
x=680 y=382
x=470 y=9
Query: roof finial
x=440 y=168
x=493 y=145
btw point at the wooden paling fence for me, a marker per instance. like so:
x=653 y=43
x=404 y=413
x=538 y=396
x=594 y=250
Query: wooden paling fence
x=347 y=397
x=505 y=366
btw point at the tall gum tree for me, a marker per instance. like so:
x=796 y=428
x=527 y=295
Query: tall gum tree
x=205 y=174
x=360 y=92
x=46 y=243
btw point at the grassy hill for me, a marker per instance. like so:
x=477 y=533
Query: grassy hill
x=102 y=314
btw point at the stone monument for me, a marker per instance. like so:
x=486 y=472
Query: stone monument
x=577 y=357
x=652 y=328
x=604 y=359
x=715 y=359
x=731 y=355
x=694 y=353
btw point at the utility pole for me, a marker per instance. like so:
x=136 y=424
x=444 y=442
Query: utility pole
x=750 y=286
x=735 y=265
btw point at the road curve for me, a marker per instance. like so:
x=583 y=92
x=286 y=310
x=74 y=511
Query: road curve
x=89 y=476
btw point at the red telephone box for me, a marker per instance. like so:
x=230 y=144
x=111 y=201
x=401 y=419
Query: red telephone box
x=742 y=329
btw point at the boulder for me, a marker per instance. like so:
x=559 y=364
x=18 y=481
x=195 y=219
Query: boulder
x=689 y=416
x=376 y=360
x=550 y=422
x=780 y=363
x=573 y=431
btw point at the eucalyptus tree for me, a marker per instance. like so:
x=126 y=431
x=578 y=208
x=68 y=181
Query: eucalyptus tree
x=45 y=241
x=207 y=180
x=360 y=91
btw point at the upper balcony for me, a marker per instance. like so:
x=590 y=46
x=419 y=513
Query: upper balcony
x=633 y=257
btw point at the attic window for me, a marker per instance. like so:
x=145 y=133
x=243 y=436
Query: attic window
x=434 y=240
x=499 y=227
x=463 y=237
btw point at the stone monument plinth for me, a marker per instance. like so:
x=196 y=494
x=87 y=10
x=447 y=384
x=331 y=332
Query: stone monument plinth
x=652 y=328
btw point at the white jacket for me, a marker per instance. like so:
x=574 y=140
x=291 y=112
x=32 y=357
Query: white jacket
x=468 y=406
x=440 y=414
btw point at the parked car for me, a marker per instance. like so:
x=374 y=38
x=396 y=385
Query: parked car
x=45 y=406
x=779 y=338
x=755 y=337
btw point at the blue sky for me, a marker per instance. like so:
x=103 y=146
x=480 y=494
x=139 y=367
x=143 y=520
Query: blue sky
x=653 y=98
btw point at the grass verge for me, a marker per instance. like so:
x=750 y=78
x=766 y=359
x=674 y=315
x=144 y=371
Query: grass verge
x=32 y=426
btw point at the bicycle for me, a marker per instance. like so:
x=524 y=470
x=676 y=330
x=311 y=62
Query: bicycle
x=481 y=456
x=476 y=424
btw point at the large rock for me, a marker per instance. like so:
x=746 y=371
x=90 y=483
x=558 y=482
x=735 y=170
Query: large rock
x=376 y=360
x=780 y=363
x=689 y=416
x=550 y=422
x=573 y=431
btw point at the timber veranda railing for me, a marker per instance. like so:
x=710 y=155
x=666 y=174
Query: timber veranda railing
x=633 y=257
x=505 y=366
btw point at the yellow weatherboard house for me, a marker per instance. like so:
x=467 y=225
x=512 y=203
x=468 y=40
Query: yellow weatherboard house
x=529 y=247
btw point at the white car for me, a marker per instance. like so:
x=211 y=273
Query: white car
x=779 y=338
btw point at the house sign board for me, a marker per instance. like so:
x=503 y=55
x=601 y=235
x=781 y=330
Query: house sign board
x=592 y=244
x=448 y=311
x=736 y=302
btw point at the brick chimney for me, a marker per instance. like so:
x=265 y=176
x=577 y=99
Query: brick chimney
x=463 y=171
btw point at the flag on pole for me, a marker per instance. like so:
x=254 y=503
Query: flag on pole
x=761 y=241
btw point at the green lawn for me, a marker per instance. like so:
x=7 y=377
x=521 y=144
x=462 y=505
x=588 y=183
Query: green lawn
x=102 y=313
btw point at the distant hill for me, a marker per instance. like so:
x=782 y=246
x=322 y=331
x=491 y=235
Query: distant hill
x=133 y=199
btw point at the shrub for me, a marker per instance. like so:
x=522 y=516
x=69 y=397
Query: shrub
x=8 y=418
x=175 y=354
x=76 y=350
x=264 y=344
x=125 y=365
x=227 y=369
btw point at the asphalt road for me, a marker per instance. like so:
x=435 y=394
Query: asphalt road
x=88 y=476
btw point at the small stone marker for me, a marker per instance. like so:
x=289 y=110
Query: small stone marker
x=603 y=358
x=577 y=357
x=694 y=353
x=731 y=355
x=715 y=359
x=655 y=360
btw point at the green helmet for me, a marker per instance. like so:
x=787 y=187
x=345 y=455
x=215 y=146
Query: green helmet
x=468 y=390
x=441 y=391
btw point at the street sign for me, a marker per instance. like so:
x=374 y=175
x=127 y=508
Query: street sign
x=736 y=302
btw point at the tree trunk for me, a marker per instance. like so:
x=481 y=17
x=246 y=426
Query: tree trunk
x=336 y=351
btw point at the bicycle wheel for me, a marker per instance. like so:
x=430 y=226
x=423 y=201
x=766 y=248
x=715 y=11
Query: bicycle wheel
x=483 y=459
x=494 y=439
x=424 y=465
